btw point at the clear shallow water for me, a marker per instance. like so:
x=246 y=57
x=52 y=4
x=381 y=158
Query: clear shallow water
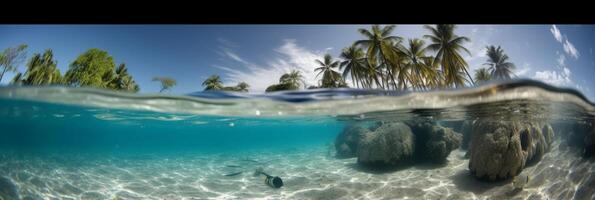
x=73 y=143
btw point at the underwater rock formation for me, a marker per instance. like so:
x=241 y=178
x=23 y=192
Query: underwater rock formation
x=441 y=141
x=347 y=141
x=501 y=149
x=433 y=142
x=590 y=143
x=391 y=144
x=8 y=190
x=466 y=131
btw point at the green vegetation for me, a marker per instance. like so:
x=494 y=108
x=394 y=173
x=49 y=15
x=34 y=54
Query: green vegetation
x=379 y=59
x=41 y=70
x=288 y=81
x=330 y=77
x=241 y=87
x=123 y=80
x=11 y=58
x=500 y=68
x=382 y=60
x=214 y=83
x=482 y=75
x=94 y=68
x=166 y=83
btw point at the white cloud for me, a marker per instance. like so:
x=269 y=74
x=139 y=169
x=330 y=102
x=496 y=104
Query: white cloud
x=566 y=44
x=554 y=77
x=234 y=56
x=556 y=32
x=561 y=60
x=570 y=49
x=259 y=77
x=524 y=70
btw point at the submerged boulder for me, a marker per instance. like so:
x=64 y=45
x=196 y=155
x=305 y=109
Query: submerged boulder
x=501 y=149
x=590 y=143
x=441 y=141
x=347 y=141
x=433 y=142
x=391 y=144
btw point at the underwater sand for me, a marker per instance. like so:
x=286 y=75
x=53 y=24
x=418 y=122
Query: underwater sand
x=307 y=174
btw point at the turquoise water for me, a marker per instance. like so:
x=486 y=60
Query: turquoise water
x=68 y=143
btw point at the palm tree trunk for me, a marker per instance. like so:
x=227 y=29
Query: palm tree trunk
x=472 y=82
x=2 y=75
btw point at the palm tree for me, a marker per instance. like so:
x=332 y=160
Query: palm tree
x=42 y=70
x=420 y=65
x=11 y=58
x=242 y=87
x=330 y=77
x=166 y=83
x=213 y=83
x=294 y=79
x=354 y=64
x=500 y=68
x=123 y=80
x=288 y=81
x=17 y=79
x=482 y=75
x=447 y=46
x=379 y=43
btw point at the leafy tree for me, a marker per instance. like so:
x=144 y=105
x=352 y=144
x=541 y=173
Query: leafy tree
x=94 y=68
x=500 y=67
x=213 y=83
x=382 y=55
x=330 y=77
x=11 y=58
x=166 y=83
x=41 y=70
x=354 y=63
x=447 y=46
x=123 y=80
x=482 y=75
x=288 y=81
x=241 y=87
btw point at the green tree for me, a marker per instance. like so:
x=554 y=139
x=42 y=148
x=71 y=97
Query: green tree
x=354 y=63
x=17 y=79
x=421 y=66
x=499 y=68
x=123 y=80
x=41 y=70
x=293 y=79
x=447 y=46
x=11 y=58
x=330 y=77
x=213 y=83
x=482 y=75
x=288 y=81
x=381 y=53
x=166 y=83
x=240 y=87
x=94 y=68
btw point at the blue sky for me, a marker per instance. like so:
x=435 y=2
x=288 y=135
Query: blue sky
x=561 y=55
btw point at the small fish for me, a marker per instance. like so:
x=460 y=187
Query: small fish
x=232 y=165
x=520 y=181
x=233 y=174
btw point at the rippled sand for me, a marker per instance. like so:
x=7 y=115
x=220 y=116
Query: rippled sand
x=312 y=174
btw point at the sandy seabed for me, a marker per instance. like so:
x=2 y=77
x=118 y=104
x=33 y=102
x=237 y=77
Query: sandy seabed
x=307 y=174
